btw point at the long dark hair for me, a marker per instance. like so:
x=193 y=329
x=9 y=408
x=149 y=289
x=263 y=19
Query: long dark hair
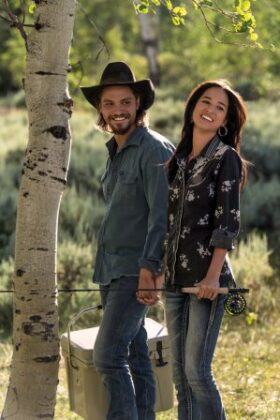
x=141 y=115
x=236 y=118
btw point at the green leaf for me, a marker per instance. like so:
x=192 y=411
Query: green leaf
x=32 y=8
x=168 y=4
x=142 y=8
x=253 y=37
x=246 y=5
x=251 y=318
x=176 y=20
x=247 y=16
x=179 y=11
x=156 y=2
x=195 y=5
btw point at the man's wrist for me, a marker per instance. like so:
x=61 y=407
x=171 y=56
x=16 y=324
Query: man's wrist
x=155 y=267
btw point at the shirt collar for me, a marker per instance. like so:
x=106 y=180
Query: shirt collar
x=133 y=140
x=211 y=147
x=208 y=151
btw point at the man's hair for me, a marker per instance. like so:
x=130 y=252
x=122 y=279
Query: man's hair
x=141 y=118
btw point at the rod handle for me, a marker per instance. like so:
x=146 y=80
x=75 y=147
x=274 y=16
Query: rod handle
x=221 y=290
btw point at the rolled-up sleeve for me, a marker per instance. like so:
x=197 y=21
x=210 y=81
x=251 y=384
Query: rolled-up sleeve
x=156 y=191
x=227 y=211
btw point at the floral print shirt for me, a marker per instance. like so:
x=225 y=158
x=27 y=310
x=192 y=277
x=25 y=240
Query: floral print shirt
x=203 y=213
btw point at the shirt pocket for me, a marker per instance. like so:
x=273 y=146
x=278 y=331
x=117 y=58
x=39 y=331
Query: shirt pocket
x=127 y=187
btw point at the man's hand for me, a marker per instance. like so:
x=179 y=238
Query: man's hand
x=148 y=281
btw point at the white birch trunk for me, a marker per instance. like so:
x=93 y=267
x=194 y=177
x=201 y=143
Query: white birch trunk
x=34 y=371
x=149 y=29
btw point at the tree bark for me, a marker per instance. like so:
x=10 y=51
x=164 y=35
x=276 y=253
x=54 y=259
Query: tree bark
x=149 y=29
x=34 y=371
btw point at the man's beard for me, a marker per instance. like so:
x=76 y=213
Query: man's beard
x=121 y=130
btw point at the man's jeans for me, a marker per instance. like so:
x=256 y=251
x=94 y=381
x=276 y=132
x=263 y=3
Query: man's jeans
x=121 y=353
x=193 y=328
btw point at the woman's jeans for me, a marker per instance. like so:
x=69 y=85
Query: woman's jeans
x=193 y=328
x=121 y=353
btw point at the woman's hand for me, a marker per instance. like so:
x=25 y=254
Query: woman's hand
x=208 y=288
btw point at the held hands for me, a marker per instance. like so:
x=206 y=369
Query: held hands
x=208 y=288
x=147 y=280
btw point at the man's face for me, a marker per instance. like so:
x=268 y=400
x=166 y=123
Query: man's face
x=118 y=106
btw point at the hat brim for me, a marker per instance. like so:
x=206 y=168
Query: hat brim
x=145 y=88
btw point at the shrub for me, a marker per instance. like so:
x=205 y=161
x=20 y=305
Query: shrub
x=253 y=270
x=6 y=307
x=260 y=205
x=80 y=216
x=74 y=271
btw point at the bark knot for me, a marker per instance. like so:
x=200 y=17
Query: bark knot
x=58 y=131
x=20 y=272
x=47 y=359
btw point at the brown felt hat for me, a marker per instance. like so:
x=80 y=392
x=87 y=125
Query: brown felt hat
x=120 y=74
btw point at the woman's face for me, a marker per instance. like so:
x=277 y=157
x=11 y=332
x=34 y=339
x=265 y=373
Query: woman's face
x=210 y=111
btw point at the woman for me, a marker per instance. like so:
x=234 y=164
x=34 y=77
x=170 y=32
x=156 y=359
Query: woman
x=205 y=175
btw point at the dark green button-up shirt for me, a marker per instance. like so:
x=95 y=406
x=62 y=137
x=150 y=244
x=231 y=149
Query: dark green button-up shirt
x=135 y=189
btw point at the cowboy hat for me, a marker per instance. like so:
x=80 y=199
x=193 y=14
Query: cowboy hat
x=120 y=74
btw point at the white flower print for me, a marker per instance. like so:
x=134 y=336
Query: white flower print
x=171 y=219
x=203 y=252
x=219 y=211
x=211 y=188
x=174 y=193
x=199 y=165
x=236 y=214
x=184 y=261
x=190 y=196
x=204 y=220
x=185 y=231
x=217 y=169
x=226 y=185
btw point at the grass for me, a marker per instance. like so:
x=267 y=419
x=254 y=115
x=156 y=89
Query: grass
x=246 y=367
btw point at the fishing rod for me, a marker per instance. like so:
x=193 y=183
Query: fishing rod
x=235 y=303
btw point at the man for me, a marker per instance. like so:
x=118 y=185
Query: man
x=130 y=244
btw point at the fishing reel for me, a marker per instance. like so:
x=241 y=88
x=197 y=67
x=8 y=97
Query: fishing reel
x=235 y=303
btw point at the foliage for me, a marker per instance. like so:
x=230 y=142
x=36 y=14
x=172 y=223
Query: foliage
x=261 y=139
x=260 y=205
x=241 y=16
x=253 y=270
x=75 y=272
x=177 y=13
x=6 y=310
x=187 y=54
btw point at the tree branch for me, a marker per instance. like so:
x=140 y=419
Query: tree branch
x=14 y=21
x=208 y=24
x=100 y=37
